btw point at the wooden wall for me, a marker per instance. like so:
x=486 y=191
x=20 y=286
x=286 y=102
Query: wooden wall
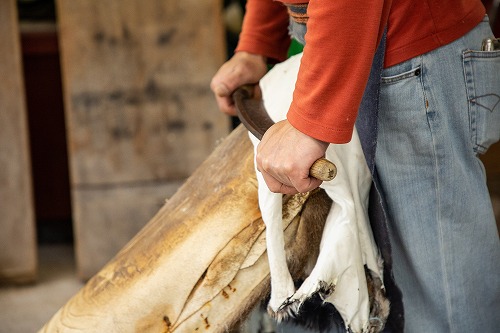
x=17 y=235
x=139 y=113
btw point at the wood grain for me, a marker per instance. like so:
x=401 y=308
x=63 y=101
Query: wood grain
x=200 y=264
x=136 y=78
x=145 y=287
x=140 y=114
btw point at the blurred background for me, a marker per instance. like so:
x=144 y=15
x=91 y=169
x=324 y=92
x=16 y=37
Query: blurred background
x=105 y=110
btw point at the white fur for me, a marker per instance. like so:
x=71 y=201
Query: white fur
x=347 y=242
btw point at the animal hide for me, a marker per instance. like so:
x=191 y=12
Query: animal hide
x=347 y=271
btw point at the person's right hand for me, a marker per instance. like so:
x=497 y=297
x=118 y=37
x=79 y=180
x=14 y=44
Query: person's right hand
x=243 y=68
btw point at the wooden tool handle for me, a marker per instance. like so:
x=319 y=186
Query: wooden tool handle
x=323 y=169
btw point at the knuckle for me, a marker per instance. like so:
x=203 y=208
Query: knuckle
x=213 y=83
x=274 y=188
x=288 y=168
x=302 y=187
x=263 y=163
x=238 y=72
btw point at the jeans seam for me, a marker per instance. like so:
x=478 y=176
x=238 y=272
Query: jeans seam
x=438 y=172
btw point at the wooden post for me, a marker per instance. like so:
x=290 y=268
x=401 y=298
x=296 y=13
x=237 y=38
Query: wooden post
x=17 y=238
x=140 y=114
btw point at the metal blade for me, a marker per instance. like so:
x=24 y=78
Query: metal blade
x=251 y=112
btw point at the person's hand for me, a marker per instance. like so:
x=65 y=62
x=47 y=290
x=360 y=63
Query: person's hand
x=284 y=157
x=243 y=68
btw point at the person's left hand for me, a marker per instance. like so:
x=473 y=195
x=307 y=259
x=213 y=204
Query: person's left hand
x=284 y=157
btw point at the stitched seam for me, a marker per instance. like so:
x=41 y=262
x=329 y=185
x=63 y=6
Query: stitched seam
x=399 y=77
x=439 y=210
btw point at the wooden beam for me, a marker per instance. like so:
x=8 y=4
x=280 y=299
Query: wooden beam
x=146 y=286
x=200 y=264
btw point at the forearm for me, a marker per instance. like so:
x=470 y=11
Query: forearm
x=341 y=40
x=265 y=30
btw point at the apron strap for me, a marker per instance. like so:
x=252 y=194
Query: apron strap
x=367 y=127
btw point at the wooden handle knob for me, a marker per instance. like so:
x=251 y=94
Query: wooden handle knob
x=323 y=169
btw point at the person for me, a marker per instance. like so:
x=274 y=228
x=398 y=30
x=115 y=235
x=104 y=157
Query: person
x=438 y=109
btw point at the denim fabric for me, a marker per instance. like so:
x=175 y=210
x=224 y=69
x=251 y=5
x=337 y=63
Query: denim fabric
x=437 y=111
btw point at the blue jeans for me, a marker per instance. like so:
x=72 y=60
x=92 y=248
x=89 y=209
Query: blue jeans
x=437 y=112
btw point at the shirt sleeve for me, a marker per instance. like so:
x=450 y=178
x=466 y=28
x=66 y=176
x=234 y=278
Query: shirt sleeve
x=341 y=41
x=265 y=30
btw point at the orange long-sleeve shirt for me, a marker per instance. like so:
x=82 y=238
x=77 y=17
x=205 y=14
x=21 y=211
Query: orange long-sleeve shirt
x=341 y=40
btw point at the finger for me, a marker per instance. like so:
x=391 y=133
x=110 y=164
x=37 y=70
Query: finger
x=226 y=105
x=305 y=185
x=242 y=68
x=220 y=89
x=277 y=186
x=296 y=177
x=229 y=77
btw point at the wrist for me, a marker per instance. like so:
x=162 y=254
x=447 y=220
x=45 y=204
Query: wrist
x=251 y=57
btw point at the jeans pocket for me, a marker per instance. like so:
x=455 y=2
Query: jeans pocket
x=482 y=80
x=389 y=79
